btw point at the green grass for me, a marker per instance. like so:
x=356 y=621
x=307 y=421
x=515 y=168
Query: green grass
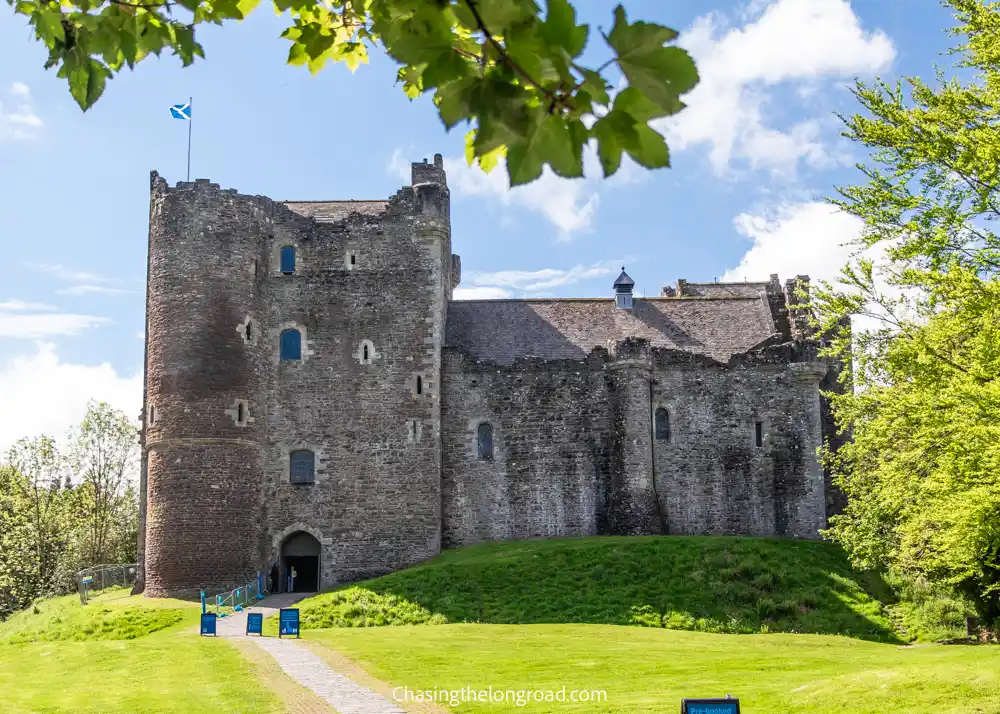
x=927 y=613
x=650 y=670
x=709 y=584
x=113 y=616
x=121 y=654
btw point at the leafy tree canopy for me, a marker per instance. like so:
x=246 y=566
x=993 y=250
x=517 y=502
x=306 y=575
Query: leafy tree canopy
x=514 y=73
x=922 y=473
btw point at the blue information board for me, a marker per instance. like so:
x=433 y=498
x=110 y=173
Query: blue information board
x=255 y=623
x=710 y=706
x=208 y=623
x=288 y=622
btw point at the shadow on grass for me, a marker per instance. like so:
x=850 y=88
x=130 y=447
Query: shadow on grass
x=710 y=584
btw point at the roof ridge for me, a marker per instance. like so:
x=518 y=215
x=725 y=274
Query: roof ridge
x=338 y=200
x=657 y=298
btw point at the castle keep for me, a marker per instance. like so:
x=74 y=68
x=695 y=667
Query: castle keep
x=314 y=397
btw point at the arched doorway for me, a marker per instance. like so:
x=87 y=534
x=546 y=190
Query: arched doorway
x=300 y=551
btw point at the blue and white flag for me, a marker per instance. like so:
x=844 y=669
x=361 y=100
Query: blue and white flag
x=181 y=111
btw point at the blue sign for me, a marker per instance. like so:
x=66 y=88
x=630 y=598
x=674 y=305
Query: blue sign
x=255 y=623
x=208 y=623
x=288 y=622
x=710 y=706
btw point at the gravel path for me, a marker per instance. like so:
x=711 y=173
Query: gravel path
x=295 y=659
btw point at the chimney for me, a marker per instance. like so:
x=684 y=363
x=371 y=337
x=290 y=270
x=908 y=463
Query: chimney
x=623 y=290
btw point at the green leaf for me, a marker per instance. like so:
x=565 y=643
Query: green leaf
x=550 y=141
x=245 y=7
x=648 y=148
x=48 y=23
x=559 y=147
x=86 y=82
x=447 y=66
x=661 y=73
x=560 y=28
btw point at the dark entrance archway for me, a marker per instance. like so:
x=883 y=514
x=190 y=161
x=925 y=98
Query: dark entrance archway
x=300 y=551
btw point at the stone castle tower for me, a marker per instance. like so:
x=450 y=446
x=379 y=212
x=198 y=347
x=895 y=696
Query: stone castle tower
x=314 y=398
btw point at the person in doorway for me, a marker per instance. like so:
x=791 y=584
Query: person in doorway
x=294 y=575
x=274 y=578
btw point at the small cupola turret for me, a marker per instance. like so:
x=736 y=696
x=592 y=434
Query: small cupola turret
x=623 y=290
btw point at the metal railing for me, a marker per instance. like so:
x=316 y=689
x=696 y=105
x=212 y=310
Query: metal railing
x=100 y=577
x=235 y=600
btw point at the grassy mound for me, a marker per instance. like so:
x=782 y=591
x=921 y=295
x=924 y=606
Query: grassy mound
x=113 y=616
x=709 y=584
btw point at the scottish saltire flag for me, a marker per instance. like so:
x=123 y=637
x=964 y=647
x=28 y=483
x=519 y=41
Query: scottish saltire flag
x=181 y=111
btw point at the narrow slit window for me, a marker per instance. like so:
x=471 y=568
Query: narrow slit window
x=420 y=384
x=364 y=353
x=288 y=260
x=241 y=413
x=759 y=434
x=302 y=466
x=662 y=424
x=291 y=345
x=354 y=259
x=484 y=442
x=249 y=331
x=152 y=414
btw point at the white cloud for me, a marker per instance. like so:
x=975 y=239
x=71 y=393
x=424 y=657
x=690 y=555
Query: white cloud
x=483 y=293
x=18 y=305
x=568 y=204
x=18 y=120
x=61 y=272
x=811 y=238
x=86 y=283
x=528 y=283
x=43 y=395
x=18 y=324
x=91 y=290
x=785 y=41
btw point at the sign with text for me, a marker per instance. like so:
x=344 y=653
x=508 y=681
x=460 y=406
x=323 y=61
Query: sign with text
x=208 y=623
x=255 y=623
x=710 y=706
x=288 y=622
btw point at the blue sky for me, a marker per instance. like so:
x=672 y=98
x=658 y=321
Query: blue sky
x=753 y=156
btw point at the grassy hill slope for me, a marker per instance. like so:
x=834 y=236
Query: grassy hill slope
x=710 y=584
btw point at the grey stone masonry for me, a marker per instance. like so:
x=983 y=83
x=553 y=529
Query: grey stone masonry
x=429 y=422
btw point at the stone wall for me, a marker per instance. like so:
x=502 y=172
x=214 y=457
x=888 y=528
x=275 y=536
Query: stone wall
x=376 y=497
x=203 y=475
x=711 y=476
x=575 y=452
x=551 y=436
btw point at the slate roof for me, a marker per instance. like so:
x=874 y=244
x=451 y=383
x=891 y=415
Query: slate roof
x=503 y=330
x=334 y=211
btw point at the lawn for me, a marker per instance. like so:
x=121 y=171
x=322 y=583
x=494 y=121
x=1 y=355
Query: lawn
x=649 y=670
x=138 y=655
x=708 y=584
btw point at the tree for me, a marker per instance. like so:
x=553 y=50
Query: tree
x=518 y=78
x=33 y=513
x=922 y=473
x=103 y=457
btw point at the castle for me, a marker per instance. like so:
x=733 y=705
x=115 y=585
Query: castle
x=315 y=398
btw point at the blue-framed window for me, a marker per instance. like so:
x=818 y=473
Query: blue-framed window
x=484 y=442
x=291 y=345
x=302 y=466
x=288 y=260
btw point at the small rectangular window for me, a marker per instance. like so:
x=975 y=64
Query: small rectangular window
x=288 y=260
x=759 y=434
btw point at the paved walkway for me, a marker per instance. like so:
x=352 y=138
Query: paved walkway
x=306 y=668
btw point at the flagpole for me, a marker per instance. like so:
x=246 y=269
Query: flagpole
x=190 y=122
